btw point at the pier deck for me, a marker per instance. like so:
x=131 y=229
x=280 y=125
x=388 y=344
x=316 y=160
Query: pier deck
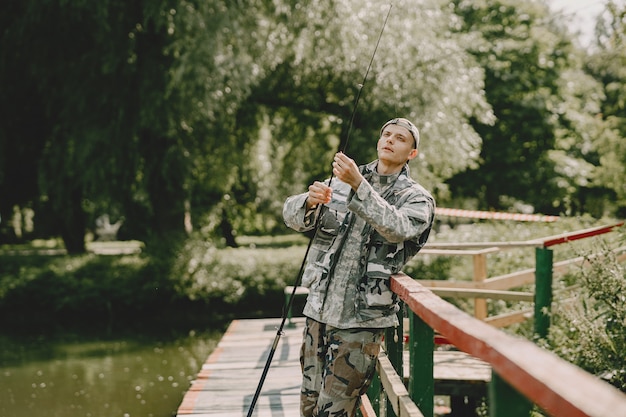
x=229 y=378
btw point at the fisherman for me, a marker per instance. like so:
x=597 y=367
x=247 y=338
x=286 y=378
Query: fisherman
x=374 y=218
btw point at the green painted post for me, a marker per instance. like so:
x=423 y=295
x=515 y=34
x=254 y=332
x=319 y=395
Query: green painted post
x=421 y=380
x=543 y=291
x=373 y=393
x=393 y=347
x=506 y=401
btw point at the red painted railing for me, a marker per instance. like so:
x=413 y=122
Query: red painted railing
x=558 y=387
x=523 y=374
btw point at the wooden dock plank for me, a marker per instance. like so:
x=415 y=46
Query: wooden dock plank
x=229 y=378
x=226 y=384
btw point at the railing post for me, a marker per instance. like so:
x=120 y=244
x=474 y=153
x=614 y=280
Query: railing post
x=421 y=380
x=373 y=393
x=480 y=274
x=543 y=291
x=506 y=401
x=394 y=337
x=393 y=346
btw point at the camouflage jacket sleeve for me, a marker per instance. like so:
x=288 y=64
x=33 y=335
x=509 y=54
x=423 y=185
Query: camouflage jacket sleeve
x=295 y=214
x=394 y=223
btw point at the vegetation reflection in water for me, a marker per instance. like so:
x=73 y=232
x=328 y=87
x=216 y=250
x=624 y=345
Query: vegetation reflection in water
x=72 y=376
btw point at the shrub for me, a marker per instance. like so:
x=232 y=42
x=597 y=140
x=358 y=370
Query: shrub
x=590 y=330
x=246 y=279
x=71 y=288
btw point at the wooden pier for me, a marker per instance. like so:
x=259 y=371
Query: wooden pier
x=228 y=379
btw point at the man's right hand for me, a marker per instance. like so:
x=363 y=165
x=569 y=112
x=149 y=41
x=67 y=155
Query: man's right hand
x=319 y=193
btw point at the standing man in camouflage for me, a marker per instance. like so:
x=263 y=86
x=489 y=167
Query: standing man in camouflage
x=374 y=218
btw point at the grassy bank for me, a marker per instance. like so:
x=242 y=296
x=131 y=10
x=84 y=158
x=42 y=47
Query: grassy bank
x=199 y=281
x=40 y=286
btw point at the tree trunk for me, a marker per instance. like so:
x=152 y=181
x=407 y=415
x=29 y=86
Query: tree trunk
x=227 y=231
x=73 y=223
x=165 y=178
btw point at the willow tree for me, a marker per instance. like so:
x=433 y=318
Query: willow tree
x=155 y=110
x=57 y=108
x=129 y=99
x=420 y=71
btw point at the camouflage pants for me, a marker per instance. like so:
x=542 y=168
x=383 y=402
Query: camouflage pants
x=337 y=368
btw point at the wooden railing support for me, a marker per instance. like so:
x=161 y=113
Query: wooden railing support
x=373 y=393
x=522 y=374
x=543 y=291
x=393 y=344
x=480 y=275
x=421 y=365
x=393 y=347
x=554 y=385
x=506 y=401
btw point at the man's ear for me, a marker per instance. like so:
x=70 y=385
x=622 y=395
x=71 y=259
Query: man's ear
x=413 y=154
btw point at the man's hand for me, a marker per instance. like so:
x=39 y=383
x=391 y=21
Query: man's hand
x=319 y=193
x=347 y=170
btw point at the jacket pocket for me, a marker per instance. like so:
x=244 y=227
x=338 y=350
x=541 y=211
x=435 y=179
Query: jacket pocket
x=375 y=292
x=383 y=260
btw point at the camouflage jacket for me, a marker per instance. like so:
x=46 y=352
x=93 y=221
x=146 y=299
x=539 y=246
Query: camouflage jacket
x=363 y=238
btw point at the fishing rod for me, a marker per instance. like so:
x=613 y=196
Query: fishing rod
x=279 y=330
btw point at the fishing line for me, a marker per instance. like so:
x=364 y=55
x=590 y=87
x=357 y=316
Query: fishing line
x=279 y=330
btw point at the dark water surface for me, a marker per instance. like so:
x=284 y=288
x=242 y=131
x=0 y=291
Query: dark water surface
x=69 y=375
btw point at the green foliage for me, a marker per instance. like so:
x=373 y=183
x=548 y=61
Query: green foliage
x=430 y=268
x=161 y=112
x=302 y=109
x=246 y=275
x=44 y=287
x=195 y=113
x=608 y=65
x=589 y=329
x=197 y=280
x=541 y=146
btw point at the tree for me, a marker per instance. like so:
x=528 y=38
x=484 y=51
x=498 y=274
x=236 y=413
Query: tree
x=607 y=64
x=22 y=127
x=537 y=150
x=154 y=110
x=420 y=71
x=118 y=107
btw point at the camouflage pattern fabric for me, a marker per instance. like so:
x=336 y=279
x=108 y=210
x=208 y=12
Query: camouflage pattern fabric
x=363 y=238
x=337 y=368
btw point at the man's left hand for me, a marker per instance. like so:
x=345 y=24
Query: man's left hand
x=347 y=170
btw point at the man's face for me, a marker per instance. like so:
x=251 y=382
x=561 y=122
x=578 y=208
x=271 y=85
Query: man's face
x=396 y=145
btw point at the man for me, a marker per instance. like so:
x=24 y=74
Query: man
x=374 y=218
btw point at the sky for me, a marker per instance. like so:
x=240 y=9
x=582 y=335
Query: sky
x=582 y=13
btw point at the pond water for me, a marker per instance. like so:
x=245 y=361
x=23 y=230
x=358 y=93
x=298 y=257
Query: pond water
x=68 y=375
